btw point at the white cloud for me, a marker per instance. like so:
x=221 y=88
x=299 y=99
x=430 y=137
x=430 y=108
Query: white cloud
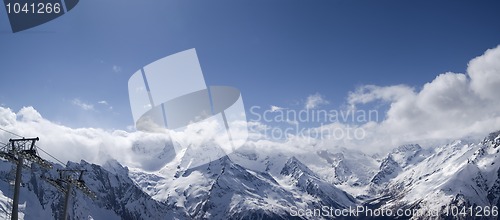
x=82 y=105
x=130 y=128
x=314 y=101
x=451 y=106
x=149 y=151
x=89 y=106
x=370 y=93
x=276 y=108
x=484 y=73
x=117 y=68
x=292 y=122
x=105 y=103
x=6 y=116
x=90 y=144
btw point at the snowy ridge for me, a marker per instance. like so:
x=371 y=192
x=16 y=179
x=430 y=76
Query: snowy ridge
x=399 y=159
x=117 y=196
x=306 y=181
x=459 y=174
x=254 y=185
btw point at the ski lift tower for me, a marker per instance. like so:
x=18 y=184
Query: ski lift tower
x=65 y=184
x=21 y=152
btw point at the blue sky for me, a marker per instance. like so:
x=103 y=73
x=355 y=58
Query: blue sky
x=275 y=52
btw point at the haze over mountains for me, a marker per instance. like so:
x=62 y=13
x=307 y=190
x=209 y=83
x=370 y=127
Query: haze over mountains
x=462 y=173
x=426 y=153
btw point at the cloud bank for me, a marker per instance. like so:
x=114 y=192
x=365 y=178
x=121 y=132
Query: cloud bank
x=451 y=106
x=90 y=144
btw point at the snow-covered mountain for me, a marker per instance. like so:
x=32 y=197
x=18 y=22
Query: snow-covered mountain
x=398 y=160
x=261 y=185
x=118 y=197
x=452 y=178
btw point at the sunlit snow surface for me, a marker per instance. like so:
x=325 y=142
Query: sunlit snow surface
x=259 y=184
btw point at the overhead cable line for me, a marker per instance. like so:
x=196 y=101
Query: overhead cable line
x=11 y=132
x=39 y=148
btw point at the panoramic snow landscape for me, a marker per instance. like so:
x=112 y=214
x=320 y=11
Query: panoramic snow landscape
x=452 y=171
x=256 y=109
x=462 y=173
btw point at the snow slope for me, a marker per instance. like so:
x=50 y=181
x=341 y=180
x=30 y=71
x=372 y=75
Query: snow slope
x=258 y=184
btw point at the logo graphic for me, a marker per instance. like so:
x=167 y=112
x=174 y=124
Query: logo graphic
x=25 y=14
x=171 y=94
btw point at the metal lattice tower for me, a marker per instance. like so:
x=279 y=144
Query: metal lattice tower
x=23 y=153
x=65 y=184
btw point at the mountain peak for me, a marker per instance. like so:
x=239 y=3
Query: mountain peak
x=113 y=166
x=389 y=168
x=493 y=138
x=407 y=148
x=293 y=167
